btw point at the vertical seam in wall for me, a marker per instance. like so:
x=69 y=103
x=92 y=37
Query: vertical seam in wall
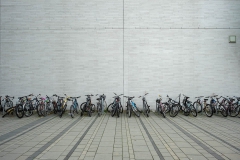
x=123 y=49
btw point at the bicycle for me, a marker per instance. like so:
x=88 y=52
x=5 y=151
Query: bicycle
x=8 y=107
x=101 y=104
x=24 y=106
x=233 y=108
x=57 y=105
x=198 y=104
x=173 y=106
x=146 y=107
x=187 y=107
x=87 y=106
x=132 y=107
x=117 y=99
x=74 y=108
x=202 y=106
x=116 y=105
x=207 y=108
x=161 y=108
x=218 y=106
x=45 y=106
x=64 y=105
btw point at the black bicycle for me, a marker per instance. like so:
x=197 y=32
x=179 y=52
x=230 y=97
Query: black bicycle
x=87 y=106
x=116 y=98
x=173 y=106
x=116 y=105
x=57 y=105
x=146 y=107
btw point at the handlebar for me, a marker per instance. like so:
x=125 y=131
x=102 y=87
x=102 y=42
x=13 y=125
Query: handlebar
x=143 y=95
x=117 y=96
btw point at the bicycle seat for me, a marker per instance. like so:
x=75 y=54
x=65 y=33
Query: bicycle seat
x=205 y=99
x=98 y=99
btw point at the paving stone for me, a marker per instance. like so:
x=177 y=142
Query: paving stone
x=103 y=156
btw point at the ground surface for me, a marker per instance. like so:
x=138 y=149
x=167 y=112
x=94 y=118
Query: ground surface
x=106 y=137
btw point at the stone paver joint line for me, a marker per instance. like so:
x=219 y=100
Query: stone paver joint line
x=40 y=150
x=79 y=141
x=197 y=141
x=213 y=135
x=17 y=131
x=152 y=141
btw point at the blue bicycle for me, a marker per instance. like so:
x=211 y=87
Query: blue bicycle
x=132 y=107
x=74 y=108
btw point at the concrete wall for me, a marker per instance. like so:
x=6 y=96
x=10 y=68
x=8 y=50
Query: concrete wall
x=105 y=46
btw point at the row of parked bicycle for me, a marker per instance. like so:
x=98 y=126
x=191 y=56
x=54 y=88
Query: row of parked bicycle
x=26 y=105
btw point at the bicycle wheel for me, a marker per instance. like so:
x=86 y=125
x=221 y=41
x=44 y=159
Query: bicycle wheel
x=19 y=111
x=193 y=111
x=78 y=110
x=164 y=111
x=117 y=110
x=129 y=111
x=109 y=108
x=38 y=110
x=173 y=111
x=27 y=110
x=89 y=113
x=198 y=107
x=136 y=112
x=43 y=110
x=234 y=110
x=54 y=107
x=99 y=109
x=121 y=108
x=208 y=110
x=224 y=112
x=92 y=108
x=146 y=109
x=72 y=111
x=113 y=111
x=82 y=106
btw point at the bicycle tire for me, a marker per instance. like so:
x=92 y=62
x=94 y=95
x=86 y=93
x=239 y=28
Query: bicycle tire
x=234 y=110
x=198 y=105
x=193 y=111
x=224 y=112
x=42 y=110
x=109 y=108
x=89 y=113
x=19 y=111
x=117 y=110
x=54 y=107
x=8 y=112
x=82 y=106
x=28 y=111
x=72 y=111
x=121 y=108
x=208 y=110
x=113 y=112
x=173 y=111
x=99 y=109
x=92 y=108
x=136 y=111
x=78 y=109
x=129 y=111
x=146 y=109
